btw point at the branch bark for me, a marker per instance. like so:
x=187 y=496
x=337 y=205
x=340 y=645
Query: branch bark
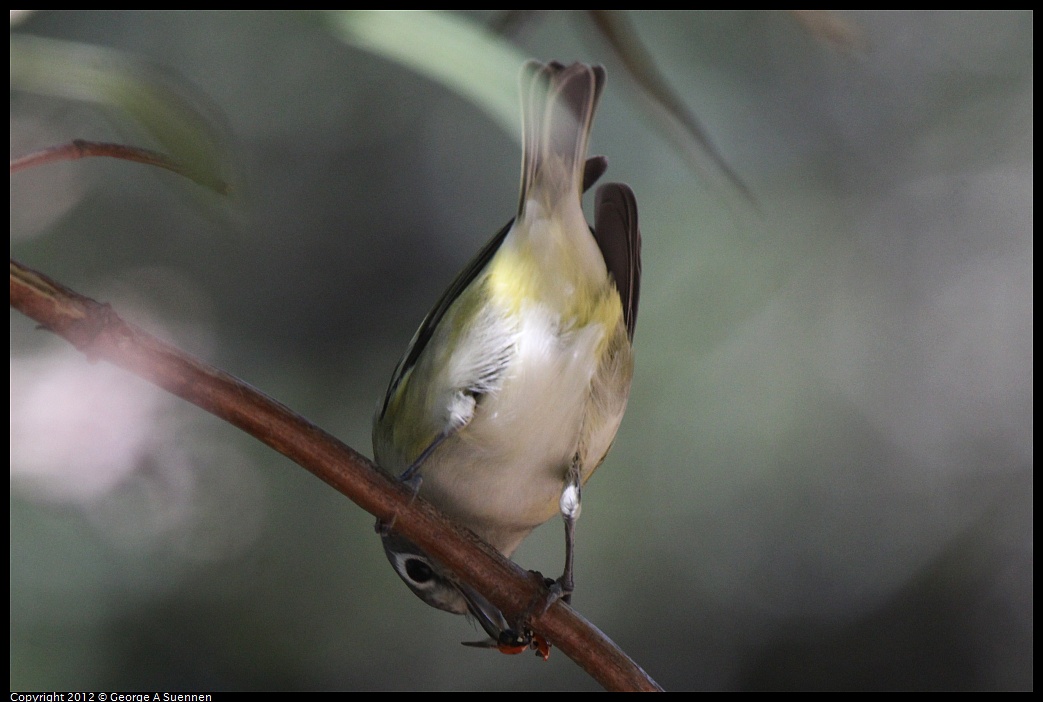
x=99 y=332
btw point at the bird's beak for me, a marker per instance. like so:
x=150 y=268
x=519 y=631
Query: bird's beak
x=487 y=615
x=501 y=637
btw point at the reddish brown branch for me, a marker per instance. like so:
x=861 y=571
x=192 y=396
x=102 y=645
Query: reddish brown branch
x=98 y=331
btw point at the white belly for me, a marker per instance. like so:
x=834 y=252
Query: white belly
x=502 y=474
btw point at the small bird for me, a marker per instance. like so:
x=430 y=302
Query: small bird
x=510 y=393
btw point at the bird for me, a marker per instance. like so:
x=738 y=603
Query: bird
x=511 y=392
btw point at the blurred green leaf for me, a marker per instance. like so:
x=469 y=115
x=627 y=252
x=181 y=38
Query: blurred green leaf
x=178 y=117
x=481 y=64
x=463 y=56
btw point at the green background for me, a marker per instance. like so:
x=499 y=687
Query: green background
x=824 y=478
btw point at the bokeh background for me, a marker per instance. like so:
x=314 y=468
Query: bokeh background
x=824 y=479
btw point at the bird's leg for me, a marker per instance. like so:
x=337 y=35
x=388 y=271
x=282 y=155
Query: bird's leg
x=461 y=412
x=570 y=505
x=520 y=636
x=411 y=477
x=561 y=589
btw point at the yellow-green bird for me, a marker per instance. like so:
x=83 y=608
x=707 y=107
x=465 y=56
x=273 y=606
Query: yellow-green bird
x=510 y=393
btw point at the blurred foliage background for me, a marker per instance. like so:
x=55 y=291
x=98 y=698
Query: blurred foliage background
x=824 y=479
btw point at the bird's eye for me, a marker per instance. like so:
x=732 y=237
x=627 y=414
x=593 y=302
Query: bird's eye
x=419 y=571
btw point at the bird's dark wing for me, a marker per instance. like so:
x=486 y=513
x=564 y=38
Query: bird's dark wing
x=618 y=237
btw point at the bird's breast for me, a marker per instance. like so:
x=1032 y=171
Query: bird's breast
x=502 y=474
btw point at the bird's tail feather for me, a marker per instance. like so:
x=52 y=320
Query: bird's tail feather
x=558 y=104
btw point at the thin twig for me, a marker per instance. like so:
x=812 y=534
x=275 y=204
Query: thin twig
x=80 y=148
